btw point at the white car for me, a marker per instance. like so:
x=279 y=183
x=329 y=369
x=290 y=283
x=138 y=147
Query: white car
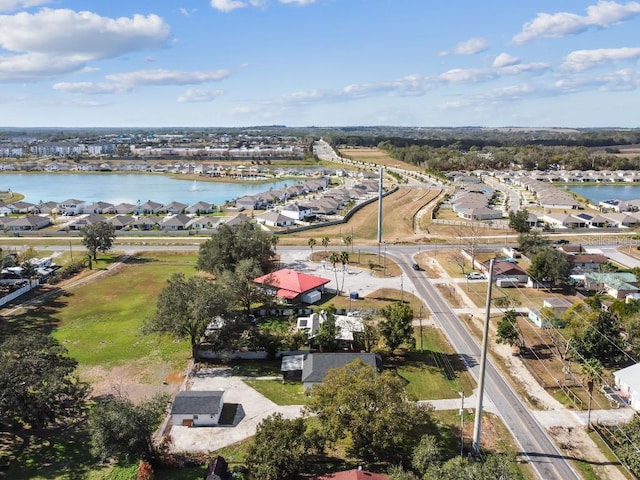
x=475 y=276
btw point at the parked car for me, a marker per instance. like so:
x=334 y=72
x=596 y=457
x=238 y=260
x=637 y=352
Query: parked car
x=561 y=241
x=475 y=276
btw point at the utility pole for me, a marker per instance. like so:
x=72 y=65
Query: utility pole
x=421 y=339
x=380 y=210
x=462 y=425
x=477 y=424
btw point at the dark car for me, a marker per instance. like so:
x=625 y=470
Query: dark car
x=416 y=267
x=561 y=241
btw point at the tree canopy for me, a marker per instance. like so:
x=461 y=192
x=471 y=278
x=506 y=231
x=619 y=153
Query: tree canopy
x=397 y=326
x=186 y=306
x=550 y=265
x=38 y=382
x=278 y=450
x=229 y=245
x=601 y=339
x=519 y=221
x=98 y=237
x=122 y=430
x=370 y=408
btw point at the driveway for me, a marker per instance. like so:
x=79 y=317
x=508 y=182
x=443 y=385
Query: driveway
x=252 y=409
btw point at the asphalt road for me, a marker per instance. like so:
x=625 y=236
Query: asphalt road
x=534 y=441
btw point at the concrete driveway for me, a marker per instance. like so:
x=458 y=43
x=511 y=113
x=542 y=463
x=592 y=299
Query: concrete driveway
x=252 y=409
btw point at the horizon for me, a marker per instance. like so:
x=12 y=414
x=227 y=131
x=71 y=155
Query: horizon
x=319 y=64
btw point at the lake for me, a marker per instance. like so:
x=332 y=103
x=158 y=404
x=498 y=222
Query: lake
x=121 y=187
x=598 y=193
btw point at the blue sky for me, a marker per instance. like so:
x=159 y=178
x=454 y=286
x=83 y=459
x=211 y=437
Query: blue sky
x=216 y=63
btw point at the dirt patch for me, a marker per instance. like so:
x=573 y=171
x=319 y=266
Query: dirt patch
x=577 y=445
x=135 y=381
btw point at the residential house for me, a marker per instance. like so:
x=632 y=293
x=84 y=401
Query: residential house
x=120 y=222
x=86 y=220
x=478 y=213
x=46 y=208
x=297 y=212
x=22 y=207
x=355 y=474
x=563 y=220
x=174 y=208
x=71 y=207
x=621 y=220
x=274 y=219
x=203 y=223
x=291 y=287
x=555 y=305
x=586 y=262
x=615 y=284
x=316 y=365
x=193 y=408
x=200 y=208
x=249 y=202
x=100 y=208
x=30 y=222
x=175 y=222
x=124 y=208
x=628 y=381
x=149 y=208
x=235 y=220
x=149 y=222
x=503 y=269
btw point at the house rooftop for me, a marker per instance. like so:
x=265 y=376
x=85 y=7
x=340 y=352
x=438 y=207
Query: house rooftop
x=197 y=402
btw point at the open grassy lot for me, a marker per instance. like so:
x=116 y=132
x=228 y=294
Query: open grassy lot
x=377 y=156
x=280 y=393
x=99 y=322
x=434 y=370
x=374 y=301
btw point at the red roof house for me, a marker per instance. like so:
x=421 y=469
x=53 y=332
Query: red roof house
x=355 y=474
x=290 y=285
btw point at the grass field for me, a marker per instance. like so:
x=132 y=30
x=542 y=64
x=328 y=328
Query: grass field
x=280 y=393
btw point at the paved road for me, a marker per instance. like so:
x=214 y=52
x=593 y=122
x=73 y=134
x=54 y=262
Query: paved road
x=534 y=441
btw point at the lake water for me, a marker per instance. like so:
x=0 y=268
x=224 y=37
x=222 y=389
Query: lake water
x=598 y=193
x=118 y=188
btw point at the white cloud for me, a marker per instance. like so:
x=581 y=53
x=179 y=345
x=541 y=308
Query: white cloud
x=81 y=35
x=227 y=5
x=532 y=68
x=298 y=2
x=193 y=95
x=584 y=59
x=230 y=5
x=125 y=82
x=166 y=77
x=602 y=15
x=13 y=5
x=92 y=88
x=457 y=75
x=65 y=40
x=505 y=60
x=468 y=47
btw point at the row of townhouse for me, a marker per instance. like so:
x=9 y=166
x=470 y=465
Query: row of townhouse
x=265 y=200
x=569 y=176
x=72 y=207
x=547 y=195
x=472 y=203
x=175 y=222
x=587 y=220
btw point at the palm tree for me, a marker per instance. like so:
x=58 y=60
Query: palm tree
x=592 y=373
x=312 y=243
x=348 y=240
x=325 y=243
x=344 y=259
x=88 y=260
x=334 y=258
x=29 y=270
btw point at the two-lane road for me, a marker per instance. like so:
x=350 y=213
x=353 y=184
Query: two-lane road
x=534 y=441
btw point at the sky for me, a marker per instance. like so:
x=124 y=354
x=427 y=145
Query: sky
x=236 y=63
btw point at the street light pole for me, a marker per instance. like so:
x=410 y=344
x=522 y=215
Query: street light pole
x=462 y=425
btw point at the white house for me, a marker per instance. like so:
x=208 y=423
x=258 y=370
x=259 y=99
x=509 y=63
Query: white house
x=628 y=381
x=297 y=212
x=197 y=408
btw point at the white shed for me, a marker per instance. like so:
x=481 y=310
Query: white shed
x=197 y=408
x=628 y=381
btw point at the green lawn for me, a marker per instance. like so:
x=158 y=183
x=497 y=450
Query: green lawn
x=437 y=371
x=99 y=322
x=287 y=393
